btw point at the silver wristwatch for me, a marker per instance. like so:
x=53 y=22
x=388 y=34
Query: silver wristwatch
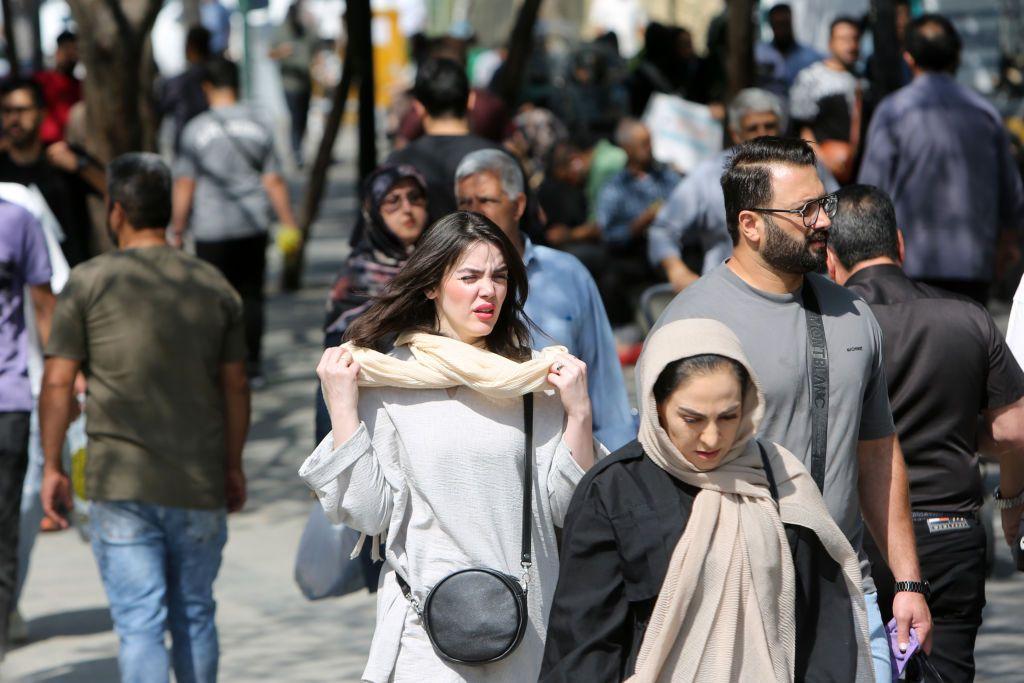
x=1002 y=503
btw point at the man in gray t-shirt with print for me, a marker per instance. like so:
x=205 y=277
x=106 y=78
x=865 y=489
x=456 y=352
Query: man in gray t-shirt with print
x=227 y=180
x=778 y=217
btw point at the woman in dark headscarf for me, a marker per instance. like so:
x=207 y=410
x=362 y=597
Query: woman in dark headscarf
x=394 y=214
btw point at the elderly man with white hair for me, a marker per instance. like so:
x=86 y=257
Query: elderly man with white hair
x=695 y=211
x=563 y=300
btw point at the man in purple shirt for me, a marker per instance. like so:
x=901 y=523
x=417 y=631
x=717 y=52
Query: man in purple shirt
x=943 y=155
x=23 y=262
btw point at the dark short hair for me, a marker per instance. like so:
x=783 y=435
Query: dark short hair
x=221 y=73
x=781 y=7
x=747 y=180
x=15 y=84
x=66 y=37
x=442 y=88
x=864 y=226
x=141 y=183
x=683 y=370
x=844 y=19
x=934 y=43
x=198 y=40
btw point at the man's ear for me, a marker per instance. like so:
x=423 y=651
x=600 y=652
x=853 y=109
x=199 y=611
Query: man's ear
x=471 y=101
x=909 y=60
x=421 y=111
x=901 y=246
x=831 y=262
x=748 y=227
x=520 y=205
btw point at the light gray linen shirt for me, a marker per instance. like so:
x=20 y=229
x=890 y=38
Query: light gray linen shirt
x=442 y=477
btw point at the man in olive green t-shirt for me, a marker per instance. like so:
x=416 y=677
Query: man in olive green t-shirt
x=159 y=337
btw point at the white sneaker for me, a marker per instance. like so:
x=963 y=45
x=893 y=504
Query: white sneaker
x=17 y=630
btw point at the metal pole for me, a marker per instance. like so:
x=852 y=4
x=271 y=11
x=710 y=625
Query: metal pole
x=243 y=7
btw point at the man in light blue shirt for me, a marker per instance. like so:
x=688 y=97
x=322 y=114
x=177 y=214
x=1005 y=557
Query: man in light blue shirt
x=563 y=300
x=630 y=199
x=779 y=61
x=695 y=211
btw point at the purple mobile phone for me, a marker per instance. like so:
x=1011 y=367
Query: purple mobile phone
x=901 y=658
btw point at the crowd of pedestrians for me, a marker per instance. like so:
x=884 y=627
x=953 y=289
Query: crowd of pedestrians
x=798 y=493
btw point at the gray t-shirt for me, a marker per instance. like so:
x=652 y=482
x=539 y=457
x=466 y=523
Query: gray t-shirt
x=227 y=151
x=773 y=331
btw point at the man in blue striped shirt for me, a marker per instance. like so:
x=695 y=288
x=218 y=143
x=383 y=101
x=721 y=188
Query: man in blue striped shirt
x=563 y=299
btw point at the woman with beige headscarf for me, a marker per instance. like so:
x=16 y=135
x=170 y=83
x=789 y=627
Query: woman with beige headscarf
x=697 y=553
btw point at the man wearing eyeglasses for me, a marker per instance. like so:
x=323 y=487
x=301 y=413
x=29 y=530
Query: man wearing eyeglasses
x=817 y=350
x=694 y=214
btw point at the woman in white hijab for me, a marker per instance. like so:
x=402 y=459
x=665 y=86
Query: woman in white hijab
x=697 y=553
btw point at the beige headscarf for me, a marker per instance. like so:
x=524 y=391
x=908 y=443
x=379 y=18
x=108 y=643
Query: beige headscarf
x=726 y=609
x=441 y=362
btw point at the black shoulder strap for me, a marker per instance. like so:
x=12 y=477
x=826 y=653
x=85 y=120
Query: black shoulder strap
x=255 y=164
x=768 y=471
x=817 y=353
x=527 y=556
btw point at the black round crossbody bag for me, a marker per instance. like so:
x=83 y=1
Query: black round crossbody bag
x=479 y=615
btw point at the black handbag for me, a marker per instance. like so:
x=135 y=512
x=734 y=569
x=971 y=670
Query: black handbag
x=479 y=615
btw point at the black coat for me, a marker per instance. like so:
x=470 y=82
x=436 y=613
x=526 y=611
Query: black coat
x=623 y=524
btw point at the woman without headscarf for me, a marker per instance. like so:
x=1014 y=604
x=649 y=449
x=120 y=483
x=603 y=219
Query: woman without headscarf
x=394 y=214
x=437 y=461
x=697 y=553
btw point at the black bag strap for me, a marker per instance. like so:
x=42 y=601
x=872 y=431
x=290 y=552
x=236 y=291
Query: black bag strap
x=772 y=487
x=527 y=556
x=255 y=164
x=817 y=352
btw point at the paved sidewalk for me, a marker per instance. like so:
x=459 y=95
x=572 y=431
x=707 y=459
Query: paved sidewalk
x=268 y=631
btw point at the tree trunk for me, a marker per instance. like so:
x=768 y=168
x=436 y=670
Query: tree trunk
x=190 y=13
x=888 y=61
x=10 y=39
x=113 y=38
x=291 y=274
x=360 y=38
x=520 y=44
x=740 y=60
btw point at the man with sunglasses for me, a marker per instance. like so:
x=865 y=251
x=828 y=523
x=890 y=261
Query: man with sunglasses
x=694 y=215
x=817 y=350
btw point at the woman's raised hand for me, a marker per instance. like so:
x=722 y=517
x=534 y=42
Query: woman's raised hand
x=568 y=374
x=339 y=375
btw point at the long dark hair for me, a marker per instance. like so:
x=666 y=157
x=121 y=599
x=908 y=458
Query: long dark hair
x=404 y=307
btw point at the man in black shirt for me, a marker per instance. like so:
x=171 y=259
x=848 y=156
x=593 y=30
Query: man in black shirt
x=64 y=176
x=442 y=100
x=946 y=364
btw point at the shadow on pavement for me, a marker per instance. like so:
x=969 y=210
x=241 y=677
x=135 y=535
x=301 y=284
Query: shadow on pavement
x=82 y=622
x=89 y=671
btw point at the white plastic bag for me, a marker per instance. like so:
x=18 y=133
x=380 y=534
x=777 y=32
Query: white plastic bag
x=322 y=565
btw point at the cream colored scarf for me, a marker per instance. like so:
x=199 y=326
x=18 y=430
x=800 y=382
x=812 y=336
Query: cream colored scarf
x=726 y=608
x=441 y=362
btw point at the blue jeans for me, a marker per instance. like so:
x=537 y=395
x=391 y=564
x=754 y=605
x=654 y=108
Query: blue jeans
x=158 y=565
x=881 y=656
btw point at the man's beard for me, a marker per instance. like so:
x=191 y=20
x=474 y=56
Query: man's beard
x=790 y=255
